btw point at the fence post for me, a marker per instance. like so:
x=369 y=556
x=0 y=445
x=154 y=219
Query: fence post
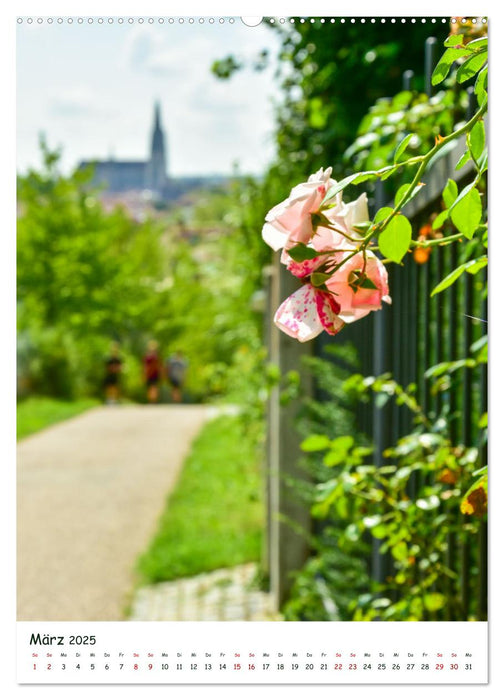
x=381 y=415
x=407 y=79
x=289 y=520
x=430 y=57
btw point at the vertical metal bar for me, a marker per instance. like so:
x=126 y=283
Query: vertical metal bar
x=483 y=539
x=466 y=431
x=381 y=352
x=397 y=349
x=451 y=349
x=439 y=325
x=472 y=102
x=430 y=57
x=427 y=330
x=414 y=348
x=407 y=78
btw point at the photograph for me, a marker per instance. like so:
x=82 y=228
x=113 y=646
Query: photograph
x=252 y=319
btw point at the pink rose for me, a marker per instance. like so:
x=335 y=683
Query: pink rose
x=357 y=301
x=307 y=312
x=290 y=221
x=325 y=242
x=347 y=215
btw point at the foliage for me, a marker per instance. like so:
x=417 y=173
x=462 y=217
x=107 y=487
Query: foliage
x=405 y=123
x=87 y=277
x=38 y=412
x=409 y=505
x=213 y=518
x=337 y=570
x=326 y=587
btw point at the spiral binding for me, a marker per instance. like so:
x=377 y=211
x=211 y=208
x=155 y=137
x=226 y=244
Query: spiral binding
x=232 y=20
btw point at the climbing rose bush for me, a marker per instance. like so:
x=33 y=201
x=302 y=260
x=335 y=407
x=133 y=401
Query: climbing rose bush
x=342 y=280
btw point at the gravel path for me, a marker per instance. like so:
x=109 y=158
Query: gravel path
x=90 y=491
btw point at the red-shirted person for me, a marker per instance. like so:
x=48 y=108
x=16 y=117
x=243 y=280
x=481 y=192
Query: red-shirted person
x=152 y=365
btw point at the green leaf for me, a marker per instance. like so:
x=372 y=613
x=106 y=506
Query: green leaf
x=443 y=67
x=395 y=240
x=470 y=67
x=345 y=442
x=480 y=343
x=319 y=278
x=466 y=212
x=402 y=191
x=367 y=283
x=362 y=227
x=450 y=193
x=454 y=40
x=440 y=219
x=434 y=601
x=442 y=153
x=402 y=147
x=319 y=219
x=363 y=177
x=481 y=85
x=382 y=214
x=472 y=266
x=476 y=44
x=477 y=139
x=464 y=158
x=437 y=370
x=400 y=551
x=355 y=177
x=385 y=173
x=448 y=280
x=315 y=443
x=379 y=531
x=339 y=450
x=300 y=252
x=483 y=161
x=482 y=423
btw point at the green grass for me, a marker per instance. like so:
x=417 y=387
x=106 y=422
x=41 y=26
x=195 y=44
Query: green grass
x=38 y=412
x=214 y=517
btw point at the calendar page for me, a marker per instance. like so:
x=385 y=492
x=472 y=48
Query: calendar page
x=252 y=329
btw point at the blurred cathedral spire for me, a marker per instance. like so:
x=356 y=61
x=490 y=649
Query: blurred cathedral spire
x=156 y=172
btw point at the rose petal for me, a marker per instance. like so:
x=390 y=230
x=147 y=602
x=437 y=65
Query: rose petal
x=357 y=304
x=305 y=268
x=297 y=315
x=274 y=236
x=328 y=309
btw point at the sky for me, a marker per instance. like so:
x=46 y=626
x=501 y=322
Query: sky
x=91 y=88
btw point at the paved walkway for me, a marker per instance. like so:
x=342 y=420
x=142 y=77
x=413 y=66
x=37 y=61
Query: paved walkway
x=222 y=595
x=90 y=491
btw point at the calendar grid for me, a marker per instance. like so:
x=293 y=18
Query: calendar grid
x=329 y=653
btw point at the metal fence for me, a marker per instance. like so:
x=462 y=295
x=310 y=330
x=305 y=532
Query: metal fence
x=405 y=339
x=416 y=332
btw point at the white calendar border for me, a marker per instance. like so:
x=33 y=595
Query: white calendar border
x=7 y=190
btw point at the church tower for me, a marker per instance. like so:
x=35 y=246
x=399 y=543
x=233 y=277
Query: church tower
x=156 y=176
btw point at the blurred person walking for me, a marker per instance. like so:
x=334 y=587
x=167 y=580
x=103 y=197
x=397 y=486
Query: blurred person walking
x=176 y=367
x=152 y=371
x=113 y=369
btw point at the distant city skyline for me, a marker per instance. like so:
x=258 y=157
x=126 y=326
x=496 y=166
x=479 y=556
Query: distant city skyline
x=90 y=89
